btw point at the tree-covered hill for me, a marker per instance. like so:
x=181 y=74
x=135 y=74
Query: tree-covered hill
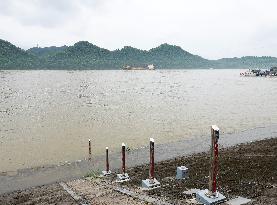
x=170 y=56
x=47 y=51
x=84 y=55
x=12 y=57
x=246 y=62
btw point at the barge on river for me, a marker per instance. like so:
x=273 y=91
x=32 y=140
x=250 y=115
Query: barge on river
x=148 y=67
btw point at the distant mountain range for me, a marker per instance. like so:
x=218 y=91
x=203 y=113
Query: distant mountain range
x=84 y=55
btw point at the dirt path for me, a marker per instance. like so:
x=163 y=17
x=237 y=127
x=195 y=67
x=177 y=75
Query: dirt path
x=101 y=192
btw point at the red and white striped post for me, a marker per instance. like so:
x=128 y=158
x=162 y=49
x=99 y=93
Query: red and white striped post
x=213 y=160
x=89 y=150
x=151 y=170
x=123 y=158
x=107 y=160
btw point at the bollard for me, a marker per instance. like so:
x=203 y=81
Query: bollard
x=107 y=159
x=89 y=150
x=107 y=172
x=151 y=168
x=213 y=160
x=124 y=177
x=211 y=196
x=123 y=158
x=152 y=182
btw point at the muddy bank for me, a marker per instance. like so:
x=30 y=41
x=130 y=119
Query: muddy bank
x=26 y=178
x=49 y=194
x=247 y=170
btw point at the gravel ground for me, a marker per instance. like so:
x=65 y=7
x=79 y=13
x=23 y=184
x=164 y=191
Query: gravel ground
x=47 y=194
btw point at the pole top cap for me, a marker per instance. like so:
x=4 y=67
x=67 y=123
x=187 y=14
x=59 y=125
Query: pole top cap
x=107 y=147
x=214 y=127
x=152 y=140
x=89 y=140
x=123 y=145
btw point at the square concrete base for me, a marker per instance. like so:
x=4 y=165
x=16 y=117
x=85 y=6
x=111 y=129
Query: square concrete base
x=148 y=184
x=191 y=192
x=182 y=172
x=122 y=178
x=201 y=196
x=106 y=173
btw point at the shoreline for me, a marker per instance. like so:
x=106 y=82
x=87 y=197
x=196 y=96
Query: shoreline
x=26 y=178
x=246 y=170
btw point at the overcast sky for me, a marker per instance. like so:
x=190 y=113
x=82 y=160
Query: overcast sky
x=210 y=28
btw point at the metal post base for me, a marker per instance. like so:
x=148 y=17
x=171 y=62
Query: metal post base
x=122 y=178
x=106 y=173
x=203 y=197
x=149 y=184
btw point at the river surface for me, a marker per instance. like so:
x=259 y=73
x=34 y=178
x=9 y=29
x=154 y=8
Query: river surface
x=47 y=117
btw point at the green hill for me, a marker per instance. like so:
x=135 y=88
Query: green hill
x=170 y=56
x=246 y=62
x=47 y=51
x=12 y=57
x=84 y=55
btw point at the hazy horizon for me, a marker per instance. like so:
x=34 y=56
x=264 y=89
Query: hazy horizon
x=215 y=29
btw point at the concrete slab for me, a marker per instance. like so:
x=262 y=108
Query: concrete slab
x=122 y=178
x=106 y=173
x=238 y=201
x=148 y=184
x=182 y=172
x=201 y=196
x=191 y=192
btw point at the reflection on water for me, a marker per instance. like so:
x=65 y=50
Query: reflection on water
x=47 y=117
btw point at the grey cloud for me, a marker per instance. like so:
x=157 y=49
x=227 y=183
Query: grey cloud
x=212 y=29
x=44 y=13
x=5 y=7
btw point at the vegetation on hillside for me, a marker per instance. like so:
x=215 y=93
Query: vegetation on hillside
x=84 y=55
x=12 y=57
x=47 y=51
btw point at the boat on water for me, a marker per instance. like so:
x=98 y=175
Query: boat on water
x=272 y=71
x=148 y=67
x=250 y=73
x=258 y=72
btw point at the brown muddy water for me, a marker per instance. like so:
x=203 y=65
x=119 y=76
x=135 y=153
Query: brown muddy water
x=47 y=117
